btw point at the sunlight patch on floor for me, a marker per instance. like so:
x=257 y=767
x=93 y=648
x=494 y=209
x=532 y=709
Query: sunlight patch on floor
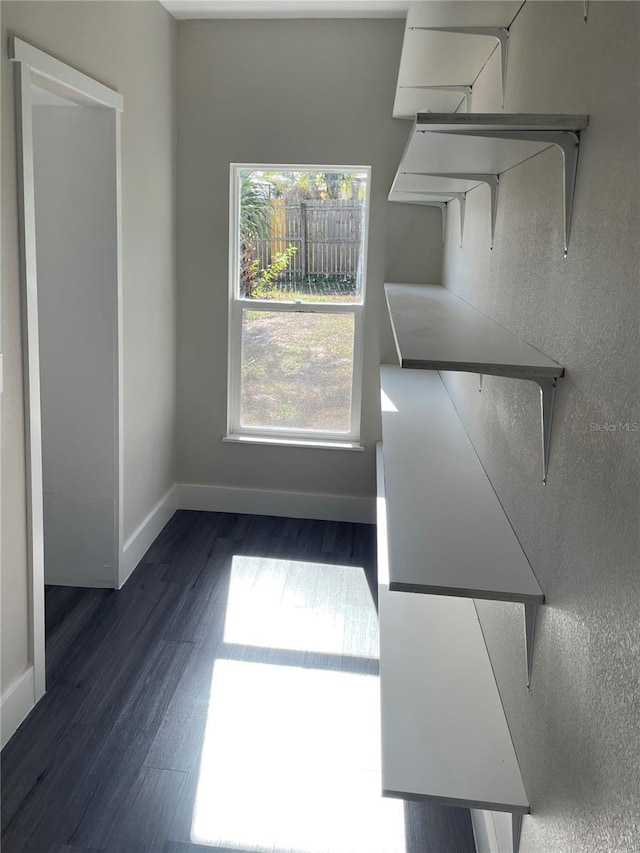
x=291 y=755
x=281 y=604
x=291 y=759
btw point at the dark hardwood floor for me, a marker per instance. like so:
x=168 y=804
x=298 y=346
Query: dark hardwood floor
x=224 y=700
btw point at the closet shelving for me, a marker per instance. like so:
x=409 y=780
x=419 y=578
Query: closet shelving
x=444 y=734
x=446 y=149
x=439 y=189
x=468 y=759
x=443 y=537
x=436 y=330
x=445 y=47
x=443 y=532
x=443 y=540
x=447 y=531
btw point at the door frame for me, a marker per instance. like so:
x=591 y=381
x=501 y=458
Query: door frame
x=34 y=67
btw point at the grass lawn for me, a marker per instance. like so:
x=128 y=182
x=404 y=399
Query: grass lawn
x=297 y=370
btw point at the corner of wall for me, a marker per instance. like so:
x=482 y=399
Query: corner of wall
x=16 y=704
x=144 y=535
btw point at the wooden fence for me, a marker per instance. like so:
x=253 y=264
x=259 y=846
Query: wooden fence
x=327 y=234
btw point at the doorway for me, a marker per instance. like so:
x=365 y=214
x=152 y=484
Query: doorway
x=68 y=128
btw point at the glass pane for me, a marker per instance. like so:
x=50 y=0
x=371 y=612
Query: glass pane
x=302 y=235
x=297 y=370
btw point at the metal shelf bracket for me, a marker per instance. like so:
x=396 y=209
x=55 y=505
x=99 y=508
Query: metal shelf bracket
x=530 y=614
x=568 y=141
x=443 y=210
x=466 y=90
x=501 y=34
x=462 y=201
x=492 y=181
x=516 y=831
x=547 y=385
x=442 y=205
x=461 y=198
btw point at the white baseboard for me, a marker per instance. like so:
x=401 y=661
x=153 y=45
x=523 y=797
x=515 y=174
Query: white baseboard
x=484 y=831
x=92 y=583
x=16 y=704
x=227 y=499
x=267 y=502
x=19 y=699
x=144 y=535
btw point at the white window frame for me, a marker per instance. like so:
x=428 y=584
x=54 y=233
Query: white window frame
x=282 y=435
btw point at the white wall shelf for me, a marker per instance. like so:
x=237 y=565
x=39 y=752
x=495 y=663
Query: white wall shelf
x=416 y=187
x=444 y=734
x=499 y=34
x=488 y=144
x=436 y=330
x=447 y=531
x=414 y=98
x=445 y=47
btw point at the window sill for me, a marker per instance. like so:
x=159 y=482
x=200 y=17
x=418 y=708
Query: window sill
x=321 y=444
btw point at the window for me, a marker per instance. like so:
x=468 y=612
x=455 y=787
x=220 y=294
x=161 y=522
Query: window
x=297 y=281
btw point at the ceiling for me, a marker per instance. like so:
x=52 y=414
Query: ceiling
x=185 y=9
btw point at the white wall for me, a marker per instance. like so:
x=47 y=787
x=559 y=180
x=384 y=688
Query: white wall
x=77 y=257
x=288 y=91
x=576 y=732
x=130 y=47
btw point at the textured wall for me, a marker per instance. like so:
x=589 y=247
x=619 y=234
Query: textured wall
x=131 y=47
x=576 y=733
x=316 y=91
